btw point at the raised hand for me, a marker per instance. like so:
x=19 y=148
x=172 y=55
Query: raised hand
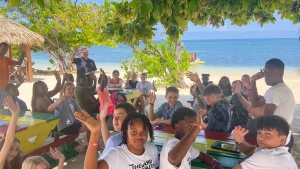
x=103 y=112
x=13 y=107
x=93 y=125
x=102 y=71
x=61 y=96
x=152 y=97
x=153 y=82
x=57 y=154
x=92 y=76
x=201 y=117
x=57 y=76
x=239 y=134
x=258 y=75
x=193 y=76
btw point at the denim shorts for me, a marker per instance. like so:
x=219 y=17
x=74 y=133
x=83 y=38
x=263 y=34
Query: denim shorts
x=73 y=129
x=3 y=95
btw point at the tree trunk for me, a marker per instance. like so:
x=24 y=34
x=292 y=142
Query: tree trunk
x=181 y=82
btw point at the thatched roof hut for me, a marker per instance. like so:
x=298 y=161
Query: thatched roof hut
x=15 y=34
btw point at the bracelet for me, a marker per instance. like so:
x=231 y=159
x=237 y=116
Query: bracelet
x=151 y=104
x=93 y=144
x=213 y=163
x=198 y=125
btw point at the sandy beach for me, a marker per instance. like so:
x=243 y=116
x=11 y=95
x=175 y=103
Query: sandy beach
x=291 y=78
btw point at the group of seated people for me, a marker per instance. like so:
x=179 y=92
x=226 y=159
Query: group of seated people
x=76 y=106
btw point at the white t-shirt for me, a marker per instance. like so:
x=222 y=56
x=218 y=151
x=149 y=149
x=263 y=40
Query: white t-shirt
x=147 y=87
x=186 y=161
x=282 y=96
x=275 y=158
x=122 y=158
x=112 y=142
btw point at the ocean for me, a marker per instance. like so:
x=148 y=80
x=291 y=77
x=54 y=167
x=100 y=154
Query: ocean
x=223 y=53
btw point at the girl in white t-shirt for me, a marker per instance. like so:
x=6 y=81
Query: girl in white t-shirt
x=135 y=152
x=145 y=87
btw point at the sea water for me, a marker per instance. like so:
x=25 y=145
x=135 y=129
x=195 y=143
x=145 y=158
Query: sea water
x=226 y=53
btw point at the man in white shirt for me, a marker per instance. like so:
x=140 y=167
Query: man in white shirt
x=177 y=152
x=279 y=99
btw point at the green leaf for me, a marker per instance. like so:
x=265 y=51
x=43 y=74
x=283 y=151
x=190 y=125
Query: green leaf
x=193 y=4
x=41 y=3
x=15 y=2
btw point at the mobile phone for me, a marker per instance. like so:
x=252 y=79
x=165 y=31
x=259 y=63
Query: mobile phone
x=231 y=147
x=160 y=126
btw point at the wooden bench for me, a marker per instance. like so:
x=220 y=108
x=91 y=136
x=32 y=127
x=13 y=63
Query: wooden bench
x=66 y=143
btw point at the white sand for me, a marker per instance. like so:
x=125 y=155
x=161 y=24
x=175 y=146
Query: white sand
x=291 y=78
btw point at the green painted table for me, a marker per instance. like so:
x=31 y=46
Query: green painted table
x=30 y=125
x=203 y=142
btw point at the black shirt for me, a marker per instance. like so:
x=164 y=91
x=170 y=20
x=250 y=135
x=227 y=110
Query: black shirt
x=132 y=85
x=84 y=66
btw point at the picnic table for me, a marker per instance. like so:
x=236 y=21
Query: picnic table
x=203 y=142
x=130 y=95
x=32 y=128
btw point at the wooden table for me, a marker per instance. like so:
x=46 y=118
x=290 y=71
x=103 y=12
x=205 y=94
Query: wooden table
x=203 y=142
x=30 y=125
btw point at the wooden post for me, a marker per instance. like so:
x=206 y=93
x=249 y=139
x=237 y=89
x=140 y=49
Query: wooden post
x=11 y=69
x=9 y=52
x=29 y=74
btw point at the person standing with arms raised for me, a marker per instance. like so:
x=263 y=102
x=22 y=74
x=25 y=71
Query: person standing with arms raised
x=84 y=65
x=5 y=62
x=279 y=99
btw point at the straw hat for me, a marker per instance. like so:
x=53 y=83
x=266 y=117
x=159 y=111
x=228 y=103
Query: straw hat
x=15 y=34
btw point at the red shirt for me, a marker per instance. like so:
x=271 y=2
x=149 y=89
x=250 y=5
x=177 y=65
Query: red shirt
x=105 y=98
x=4 y=72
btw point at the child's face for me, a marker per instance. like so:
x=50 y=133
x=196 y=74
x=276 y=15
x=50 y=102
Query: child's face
x=116 y=75
x=245 y=81
x=212 y=99
x=224 y=82
x=41 y=166
x=13 y=151
x=134 y=76
x=119 y=117
x=185 y=125
x=42 y=89
x=236 y=87
x=136 y=136
x=69 y=91
x=172 y=98
x=13 y=91
x=269 y=139
x=143 y=78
